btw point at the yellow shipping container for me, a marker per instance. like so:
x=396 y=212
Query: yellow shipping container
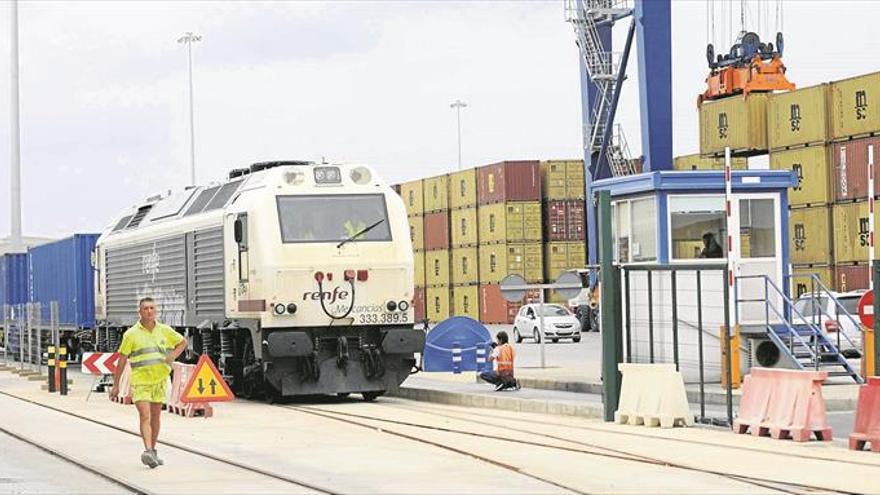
x=463 y=189
x=697 y=162
x=810 y=236
x=463 y=228
x=510 y=222
x=417 y=232
x=437 y=268
x=851 y=232
x=419 y=268
x=798 y=117
x=801 y=282
x=437 y=302
x=813 y=167
x=560 y=257
x=562 y=179
x=500 y=260
x=413 y=197
x=465 y=269
x=686 y=249
x=738 y=122
x=466 y=301
x=437 y=193
x=854 y=106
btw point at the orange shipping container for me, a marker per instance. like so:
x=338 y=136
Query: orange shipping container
x=851 y=277
x=494 y=309
x=437 y=230
x=851 y=168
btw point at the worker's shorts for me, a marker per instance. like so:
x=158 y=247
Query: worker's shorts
x=153 y=392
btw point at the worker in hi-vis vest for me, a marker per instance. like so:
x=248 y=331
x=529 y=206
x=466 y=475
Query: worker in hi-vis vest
x=149 y=347
x=502 y=356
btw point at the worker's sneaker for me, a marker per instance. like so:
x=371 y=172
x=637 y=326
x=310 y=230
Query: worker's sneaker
x=156 y=455
x=499 y=387
x=149 y=459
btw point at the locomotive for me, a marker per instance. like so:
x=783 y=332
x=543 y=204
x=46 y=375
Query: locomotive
x=295 y=277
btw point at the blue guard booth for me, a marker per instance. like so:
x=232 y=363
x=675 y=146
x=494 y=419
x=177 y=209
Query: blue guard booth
x=679 y=217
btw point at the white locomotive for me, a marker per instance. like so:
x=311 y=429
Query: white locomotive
x=295 y=277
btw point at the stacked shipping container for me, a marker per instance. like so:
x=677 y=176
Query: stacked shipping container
x=413 y=198
x=465 y=274
x=437 y=293
x=564 y=219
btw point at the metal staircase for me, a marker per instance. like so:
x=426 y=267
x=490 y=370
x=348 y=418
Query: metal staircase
x=602 y=67
x=797 y=337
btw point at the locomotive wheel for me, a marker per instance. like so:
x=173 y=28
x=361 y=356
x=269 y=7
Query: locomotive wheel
x=252 y=383
x=343 y=395
x=371 y=396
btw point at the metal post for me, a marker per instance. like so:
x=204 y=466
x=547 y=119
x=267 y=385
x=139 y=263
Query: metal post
x=541 y=332
x=700 y=343
x=30 y=335
x=14 y=136
x=876 y=321
x=56 y=332
x=62 y=355
x=726 y=344
x=612 y=347
x=674 y=319
x=50 y=363
x=627 y=312
x=22 y=323
x=39 y=331
x=870 y=225
x=6 y=320
x=458 y=105
x=650 y=315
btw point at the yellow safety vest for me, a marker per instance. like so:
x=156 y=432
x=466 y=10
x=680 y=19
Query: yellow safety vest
x=146 y=351
x=351 y=229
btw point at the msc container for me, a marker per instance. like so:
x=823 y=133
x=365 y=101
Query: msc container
x=801 y=282
x=562 y=179
x=62 y=271
x=437 y=193
x=810 y=235
x=417 y=232
x=697 y=162
x=437 y=230
x=437 y=303
x=464 y=227
x=466 y=301
x=738 y=122
x=813 y=168
x=564 y=220
x=13 y=278
x=413 y=197
x=851 y=168
x=509 y=181
x=437 y=268
x=561 y=257
x=854 y=106
x=494 y=309
x=500 y=260
x=851 y=232
x=419 y=304
x=510 y=222
x=797 y=118
x=465 y=266
x=463 y=189
x=852 y=277
x=419 y=268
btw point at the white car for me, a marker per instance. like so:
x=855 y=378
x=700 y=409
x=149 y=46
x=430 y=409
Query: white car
x=844 y=332
x=559 y=323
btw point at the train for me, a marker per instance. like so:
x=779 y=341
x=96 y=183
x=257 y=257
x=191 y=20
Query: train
x=295 y=277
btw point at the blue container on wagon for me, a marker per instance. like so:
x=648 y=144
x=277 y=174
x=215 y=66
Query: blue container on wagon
x=13 y=278
x=62 y=271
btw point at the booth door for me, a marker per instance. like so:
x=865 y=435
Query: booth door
x=757 y=251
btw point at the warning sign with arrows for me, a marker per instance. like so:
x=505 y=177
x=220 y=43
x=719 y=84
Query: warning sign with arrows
x=206 y=384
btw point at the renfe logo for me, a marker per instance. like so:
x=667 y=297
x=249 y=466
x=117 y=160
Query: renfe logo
x=337 y=295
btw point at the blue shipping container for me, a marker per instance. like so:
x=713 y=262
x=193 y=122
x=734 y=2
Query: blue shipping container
x=62 y=271
x=13 y=279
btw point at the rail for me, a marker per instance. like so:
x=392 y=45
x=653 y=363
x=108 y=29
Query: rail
x=816 y=282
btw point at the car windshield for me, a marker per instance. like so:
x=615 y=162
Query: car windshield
x=850 y=304
x=333 y=218
x=554 y=310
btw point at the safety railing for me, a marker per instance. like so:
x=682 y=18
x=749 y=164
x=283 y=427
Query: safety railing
x=819 y=290
x=27 y=336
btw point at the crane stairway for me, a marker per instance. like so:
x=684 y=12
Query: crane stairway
x=799 y=339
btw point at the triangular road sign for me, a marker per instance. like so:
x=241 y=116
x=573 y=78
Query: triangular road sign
x=206 y=384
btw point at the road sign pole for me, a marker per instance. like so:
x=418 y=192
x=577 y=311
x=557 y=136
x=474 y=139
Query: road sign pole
x=876 y=370
x=541 y=332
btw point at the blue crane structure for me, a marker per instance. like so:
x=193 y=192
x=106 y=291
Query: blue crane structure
x=606 y=153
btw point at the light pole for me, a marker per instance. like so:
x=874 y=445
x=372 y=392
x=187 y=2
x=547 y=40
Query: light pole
x=188 y=39
x=458 y=105
x=14 y=137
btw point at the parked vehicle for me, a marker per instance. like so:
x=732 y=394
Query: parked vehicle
x=559 y=323
x=842 y=329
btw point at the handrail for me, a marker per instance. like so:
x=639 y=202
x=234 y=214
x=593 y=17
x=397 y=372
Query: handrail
x=815 y=278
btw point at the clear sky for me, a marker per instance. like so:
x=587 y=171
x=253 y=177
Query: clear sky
x=104 y=95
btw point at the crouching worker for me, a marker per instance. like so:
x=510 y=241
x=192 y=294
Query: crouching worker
x=502 y=356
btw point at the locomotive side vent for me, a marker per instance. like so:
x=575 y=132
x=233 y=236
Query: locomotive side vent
x=136 y=219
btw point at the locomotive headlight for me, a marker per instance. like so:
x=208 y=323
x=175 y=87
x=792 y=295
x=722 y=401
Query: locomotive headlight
x=294 y=177
x=327 y=175
x=360 y=175
x=403 y=305
x=291 y=308
x=279 y=309
x=391 y=305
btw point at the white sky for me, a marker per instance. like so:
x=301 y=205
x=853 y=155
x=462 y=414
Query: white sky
x=104 y=95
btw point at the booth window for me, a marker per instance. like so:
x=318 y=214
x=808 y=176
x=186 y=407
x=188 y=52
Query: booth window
x=757 y=222
x=698 y=227
x=634 y=230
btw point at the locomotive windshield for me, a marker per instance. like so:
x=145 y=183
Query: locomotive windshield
x=333 y=218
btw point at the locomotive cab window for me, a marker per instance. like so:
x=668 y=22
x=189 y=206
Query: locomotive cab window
x=333 y=218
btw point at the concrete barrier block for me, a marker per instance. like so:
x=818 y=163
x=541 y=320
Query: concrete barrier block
x=652 y=395
x=867 y=425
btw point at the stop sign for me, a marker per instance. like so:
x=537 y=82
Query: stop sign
x=866 y=309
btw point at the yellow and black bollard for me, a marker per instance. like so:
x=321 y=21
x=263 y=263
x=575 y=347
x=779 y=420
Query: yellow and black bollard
x=62 y=363
x=51 y=362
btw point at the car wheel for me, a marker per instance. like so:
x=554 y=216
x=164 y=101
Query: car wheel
x=517 y=336
x=554 y=340
x=576 y=339
x=536 y=335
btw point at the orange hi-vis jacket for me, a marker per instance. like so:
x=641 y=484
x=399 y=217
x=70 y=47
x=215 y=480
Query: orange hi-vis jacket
x=504 y=361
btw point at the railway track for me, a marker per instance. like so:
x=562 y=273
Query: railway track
x=553 y=442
